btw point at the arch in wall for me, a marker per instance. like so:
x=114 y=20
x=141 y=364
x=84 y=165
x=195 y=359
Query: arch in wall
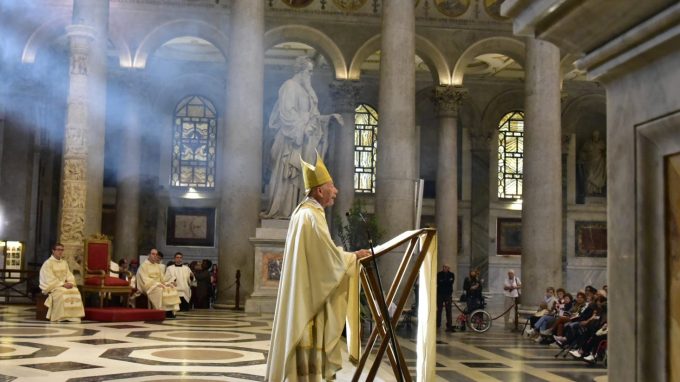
x=314 y=38
x=164 y=104
x=178 y=28
x=578 y=107
x=425 y=49
x=510 y=47
x=203 y=84
x=501 y=104
x=47 y=32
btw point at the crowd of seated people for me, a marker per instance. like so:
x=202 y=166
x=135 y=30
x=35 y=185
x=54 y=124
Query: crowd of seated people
x=576 y=325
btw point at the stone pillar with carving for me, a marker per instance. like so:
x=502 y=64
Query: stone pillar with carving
x=95 y=14
x=74 y=178
x=241 y=148
x=396 y=166
x=128 y=192
x=542 y=172
x=345 y=94
x=447 y=100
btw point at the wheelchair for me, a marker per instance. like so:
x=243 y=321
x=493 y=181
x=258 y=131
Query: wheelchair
x=475 y=316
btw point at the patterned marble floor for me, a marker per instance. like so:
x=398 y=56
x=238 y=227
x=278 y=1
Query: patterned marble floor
x=212 y=345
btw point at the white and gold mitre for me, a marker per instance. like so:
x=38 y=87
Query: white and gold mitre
x=314 y=175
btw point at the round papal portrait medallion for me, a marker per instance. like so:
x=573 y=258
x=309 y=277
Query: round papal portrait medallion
x=297 y=3
x=349 y=5
x=452 y=8
x=493 y=9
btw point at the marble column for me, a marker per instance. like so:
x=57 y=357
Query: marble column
x=542 y=183
x=74 y=180
x=241 y=148
x=447 y=100
x=95 y=13
x=127 y=192
x=480 y=165
x=345 y=94
x=396 y=165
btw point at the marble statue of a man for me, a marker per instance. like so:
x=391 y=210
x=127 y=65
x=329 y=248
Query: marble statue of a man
x=300 y=131
x=594 y=157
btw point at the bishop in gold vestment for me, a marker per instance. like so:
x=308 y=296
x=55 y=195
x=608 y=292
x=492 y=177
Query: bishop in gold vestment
x=56 y=280
x=152 y=281
x=318 y=291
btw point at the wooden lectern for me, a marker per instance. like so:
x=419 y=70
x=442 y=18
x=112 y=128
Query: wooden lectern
x=398 y=294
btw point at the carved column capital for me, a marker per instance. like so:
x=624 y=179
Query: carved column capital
x=447 y=98
x=345 y=94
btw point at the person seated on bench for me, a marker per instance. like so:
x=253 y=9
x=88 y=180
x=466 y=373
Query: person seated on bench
x=152 y=281
x=57 y=282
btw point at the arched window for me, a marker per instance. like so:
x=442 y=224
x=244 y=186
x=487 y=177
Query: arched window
x=365 y=134
x=193 y=143
x=510 y=155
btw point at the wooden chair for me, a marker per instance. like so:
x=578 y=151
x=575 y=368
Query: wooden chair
x=97 y=278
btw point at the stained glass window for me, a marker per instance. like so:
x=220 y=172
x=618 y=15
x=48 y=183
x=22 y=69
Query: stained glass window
x=365 y=143
x=193 y=143
x=510 y=155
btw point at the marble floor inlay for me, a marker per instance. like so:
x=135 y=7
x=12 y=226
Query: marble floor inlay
x=222 y=345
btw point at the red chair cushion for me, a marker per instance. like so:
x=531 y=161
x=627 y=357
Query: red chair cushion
x=108 y=281
x=98 y=256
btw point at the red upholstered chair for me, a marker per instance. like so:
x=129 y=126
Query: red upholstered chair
x=97 y=272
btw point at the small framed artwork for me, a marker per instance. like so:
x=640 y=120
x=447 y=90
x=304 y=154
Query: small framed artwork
x=191 y=227
x=508 y=236
x=591 y=238
x=271 y=268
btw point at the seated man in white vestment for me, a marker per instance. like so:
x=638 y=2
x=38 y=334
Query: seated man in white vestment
x=152 y=281
x=318 y=291
x=181 y=276
x=56 y=280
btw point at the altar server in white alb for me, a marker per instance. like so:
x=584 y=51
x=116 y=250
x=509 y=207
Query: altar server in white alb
x=318 y=291
x=57 y=282
x=160 y=290
x=180 y=274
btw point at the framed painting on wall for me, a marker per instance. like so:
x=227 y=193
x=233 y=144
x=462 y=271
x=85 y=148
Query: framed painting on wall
x=509 y=236
x=591 y=238
x=191 y=227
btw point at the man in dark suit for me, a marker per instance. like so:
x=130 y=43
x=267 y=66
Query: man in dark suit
x=445 y=280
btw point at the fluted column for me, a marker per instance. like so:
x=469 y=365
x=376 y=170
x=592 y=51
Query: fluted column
x=241 y=145
x=446 y=100
x=127 y=192
x=542 y=184
x=345 y=94
x=396 y=166
x=74 y=180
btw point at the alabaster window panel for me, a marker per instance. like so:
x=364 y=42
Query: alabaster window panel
x=194 y=144
x=365 y=144
x=510 y=155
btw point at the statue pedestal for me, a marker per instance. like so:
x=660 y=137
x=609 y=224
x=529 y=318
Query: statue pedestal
x=268 y=242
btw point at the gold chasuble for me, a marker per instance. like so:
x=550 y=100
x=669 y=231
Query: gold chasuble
x=318 y=294
x=152 y=281
x=62 y=304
